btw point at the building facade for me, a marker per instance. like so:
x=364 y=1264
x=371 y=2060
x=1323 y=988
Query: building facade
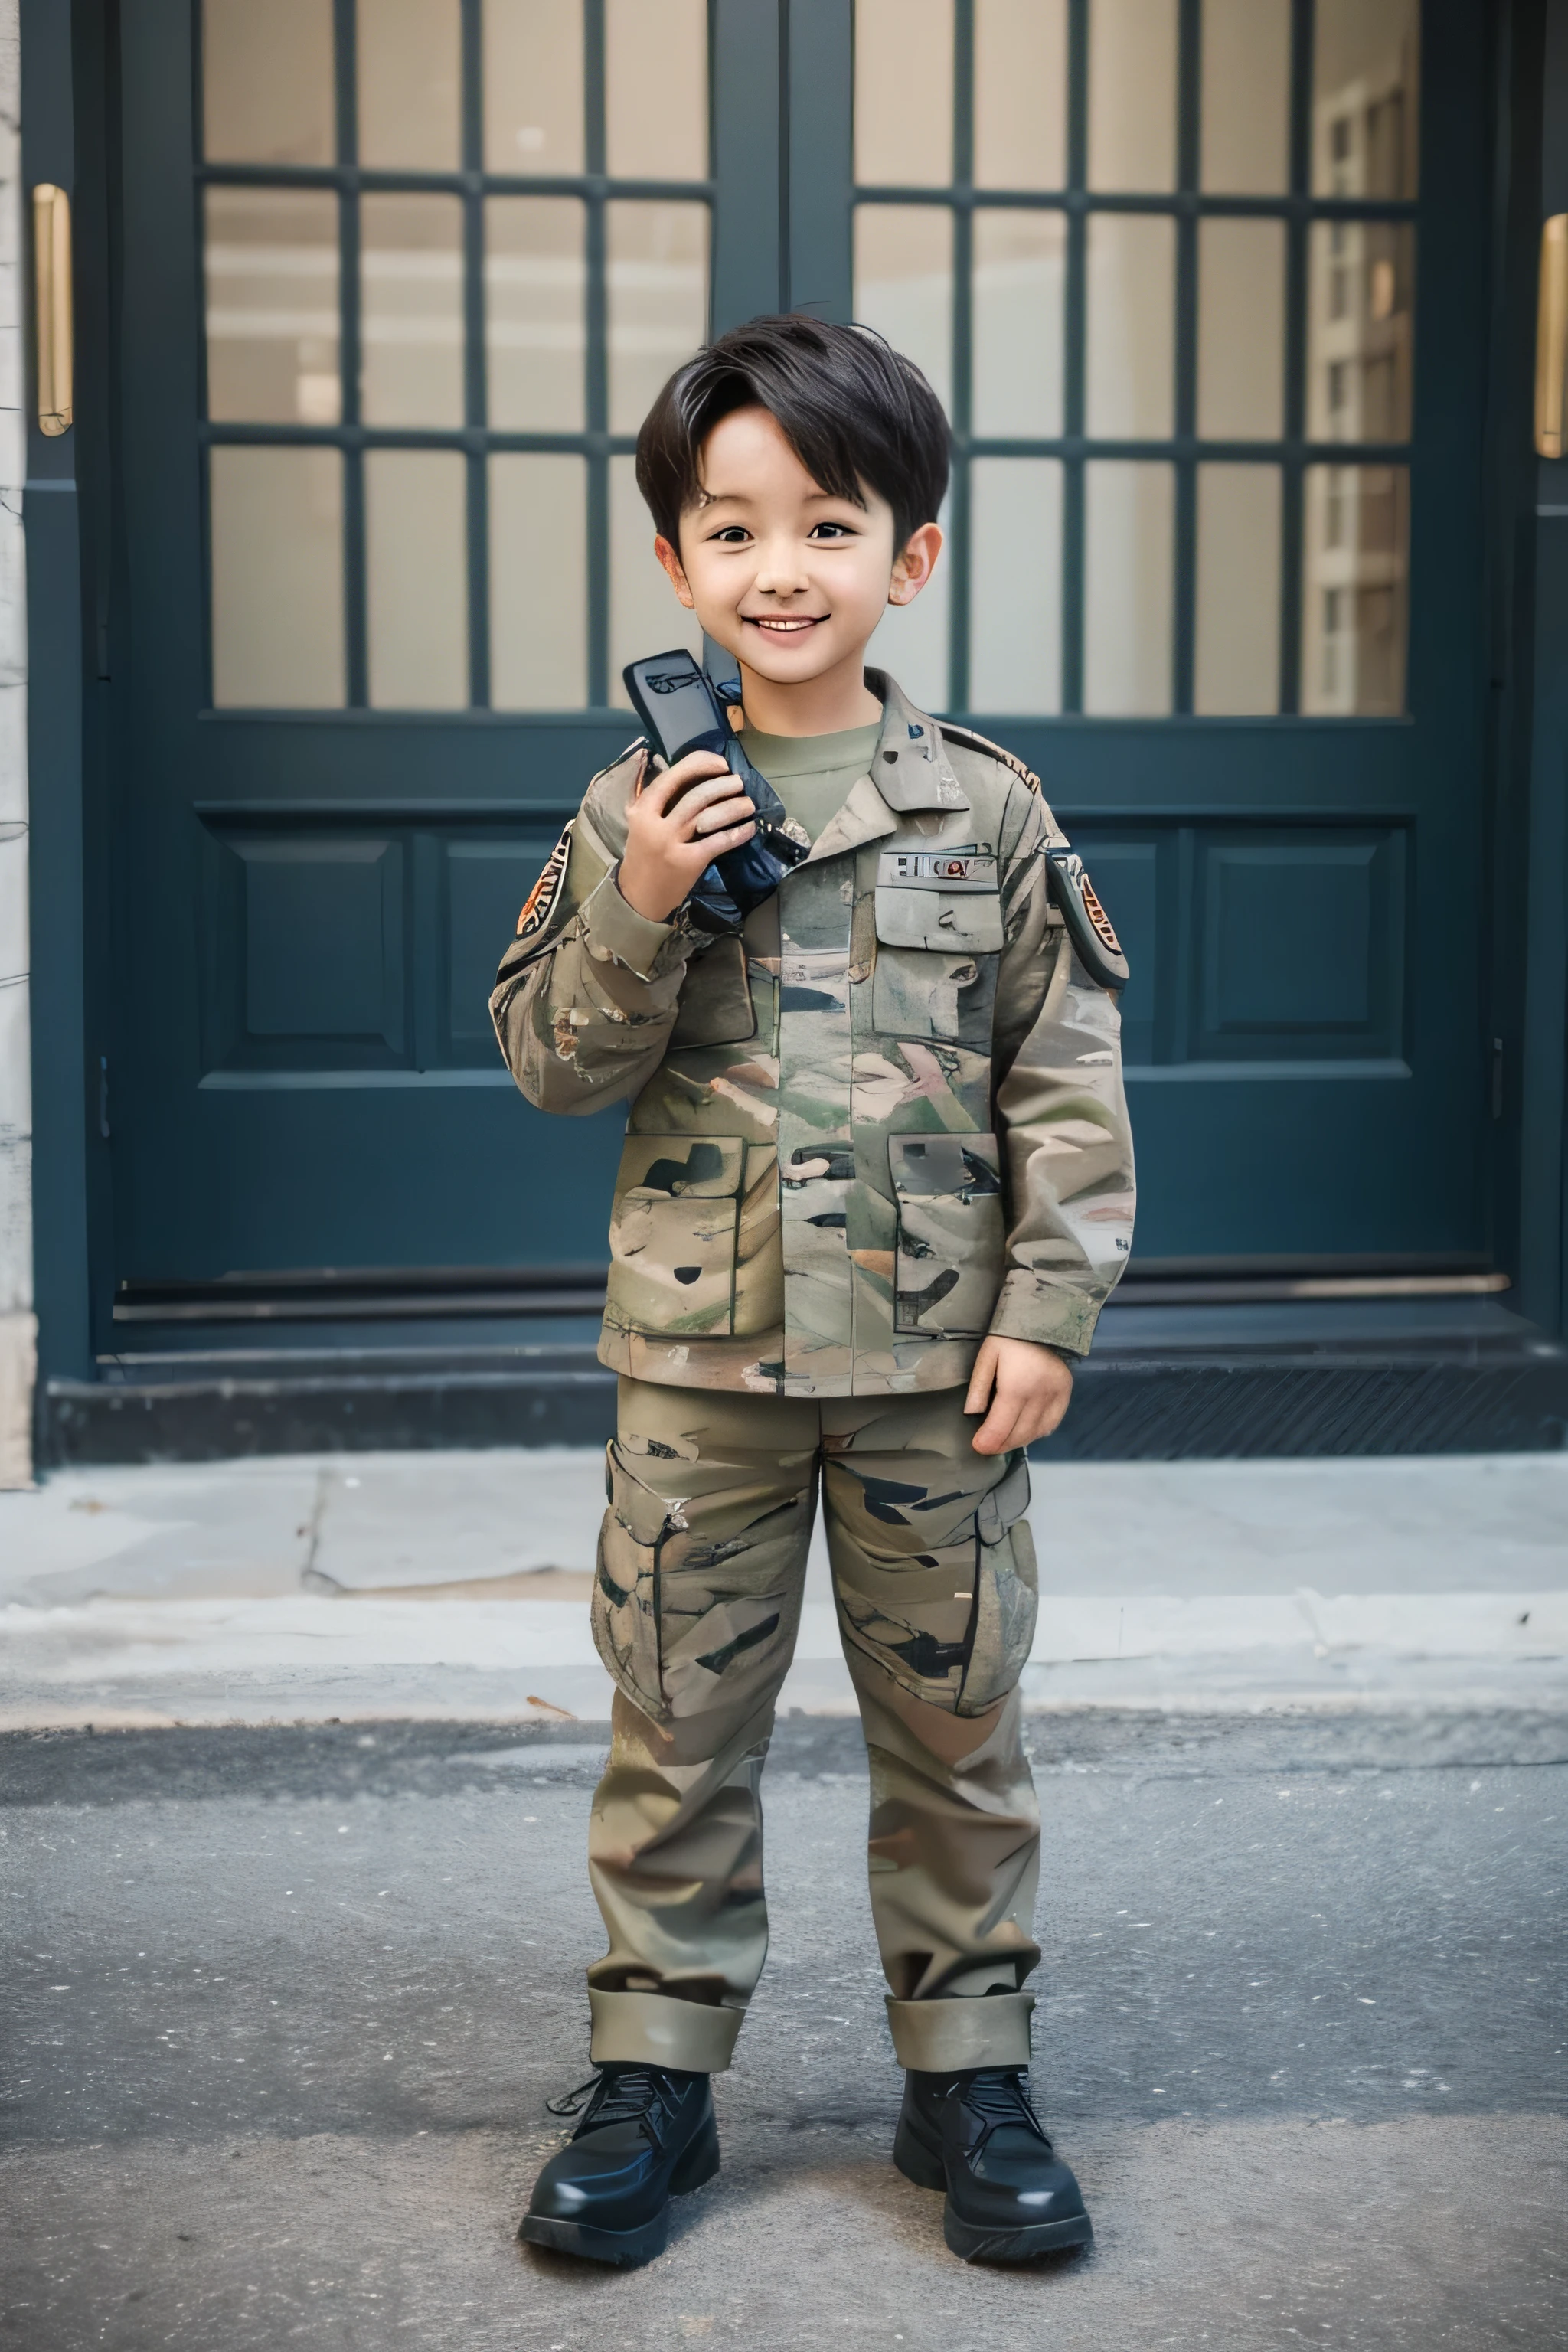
x=1251 y=553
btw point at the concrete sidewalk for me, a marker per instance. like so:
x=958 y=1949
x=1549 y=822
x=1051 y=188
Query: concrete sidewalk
x=454 y=1586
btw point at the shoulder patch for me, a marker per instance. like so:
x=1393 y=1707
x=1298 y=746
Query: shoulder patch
x=971 y=741
x=1089 y=928
x=541 y=902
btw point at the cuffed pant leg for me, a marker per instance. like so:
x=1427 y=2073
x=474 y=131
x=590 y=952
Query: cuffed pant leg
x=704 y=1554
x=936 y=1586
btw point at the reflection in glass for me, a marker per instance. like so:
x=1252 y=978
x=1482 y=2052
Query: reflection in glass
x=408 y=69
x=277 y=520
x=1365 y=94
x=1128 y=373
x=1133 y=94
x=271 y=257
x=903 y=284
x=535 y=289
x=1241 y=330
x=1360 y=331
x=416 y=579
x=1246 y=96
x=910 y=641
x=539 y=582
x=1017 y=332
x=903 y=93
x=411 y=297
x=657 y=293
x=646 y=615
x=1129 y=512
x=267 y=81
x=656 y=89
x=1355 y=562
x=1020 y=93
x=1016 y=594
x=1236 y=666
x=533 y=85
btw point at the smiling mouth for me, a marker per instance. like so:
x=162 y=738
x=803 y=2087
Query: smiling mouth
x=783 y=625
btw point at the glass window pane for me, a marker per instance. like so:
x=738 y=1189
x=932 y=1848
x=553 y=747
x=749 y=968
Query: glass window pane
x=271 y=259
x=1015 y=584
x=1128 y=362
x=1238 y=589
x=1355 y=560
x=1360 y=331
x=535 y=289
x=408 y=65
x=539 y=582
x=533 y=85
x=277 y=578
x=910 y=641
x=1241 y=330
x=656 y=89
x=1133 y=94
x=1246 y=96
x=1366 y=86
x=1017 y=336
x=646 y=615
x=656 y=287
x=416 y=579
x=1129 y=516
x=1020 y=93
x=411 y=317
x=903 y=93
x=903 y=284
x=267 y=81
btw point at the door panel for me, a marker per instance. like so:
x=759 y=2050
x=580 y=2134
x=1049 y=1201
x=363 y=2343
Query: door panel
x=1211 y=350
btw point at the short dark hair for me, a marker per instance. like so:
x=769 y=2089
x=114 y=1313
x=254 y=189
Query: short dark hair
x=854 y=410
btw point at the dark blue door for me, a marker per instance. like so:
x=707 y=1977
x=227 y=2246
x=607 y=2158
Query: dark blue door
x=1203 y=285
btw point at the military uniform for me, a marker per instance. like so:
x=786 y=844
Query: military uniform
x=885 y=1120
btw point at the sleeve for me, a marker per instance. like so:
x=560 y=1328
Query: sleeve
x=587 y=991
x=1061 y=1118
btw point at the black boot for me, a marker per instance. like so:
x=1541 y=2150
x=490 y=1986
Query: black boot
x=648 y=2135
x=1009 y=2195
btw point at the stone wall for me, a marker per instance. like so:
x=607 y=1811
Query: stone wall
x=17 y=1330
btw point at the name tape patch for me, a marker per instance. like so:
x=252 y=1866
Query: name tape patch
x=969 y=868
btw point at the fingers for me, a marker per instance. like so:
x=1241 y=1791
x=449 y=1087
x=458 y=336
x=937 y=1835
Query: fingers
x=716 y=815
x=657 y=790
x=982 y=1378
x=998 y=1433
x=717 y=844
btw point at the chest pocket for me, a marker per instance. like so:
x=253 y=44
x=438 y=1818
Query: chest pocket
x=936 y=947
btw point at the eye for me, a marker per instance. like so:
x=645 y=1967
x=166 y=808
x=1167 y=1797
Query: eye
x=733 y=534
x=824 y=530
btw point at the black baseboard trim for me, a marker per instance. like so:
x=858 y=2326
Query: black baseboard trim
x=1129 y=1406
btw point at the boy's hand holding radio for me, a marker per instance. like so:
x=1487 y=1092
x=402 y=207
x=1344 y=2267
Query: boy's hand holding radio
x=682 y=818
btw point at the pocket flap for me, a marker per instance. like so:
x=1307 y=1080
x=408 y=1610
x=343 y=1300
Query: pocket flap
x=951 y=922
x=948 y=1267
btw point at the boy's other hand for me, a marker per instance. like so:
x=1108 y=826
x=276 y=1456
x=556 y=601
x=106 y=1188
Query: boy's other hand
x=682 y=818
x=1027 y=1387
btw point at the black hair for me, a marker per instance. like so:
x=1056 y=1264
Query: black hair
x=854 y=410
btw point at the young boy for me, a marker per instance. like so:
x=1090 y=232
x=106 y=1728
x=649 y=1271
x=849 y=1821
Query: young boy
x=878 y=1181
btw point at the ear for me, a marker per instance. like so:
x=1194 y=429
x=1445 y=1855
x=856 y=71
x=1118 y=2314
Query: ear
x=914 y=567
x=677 y=581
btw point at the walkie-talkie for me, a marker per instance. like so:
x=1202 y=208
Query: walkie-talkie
x=681 y=710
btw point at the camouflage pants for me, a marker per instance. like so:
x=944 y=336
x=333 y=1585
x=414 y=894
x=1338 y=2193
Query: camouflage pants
x=696 y=1607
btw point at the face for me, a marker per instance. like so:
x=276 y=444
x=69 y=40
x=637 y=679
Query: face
x=788 y=579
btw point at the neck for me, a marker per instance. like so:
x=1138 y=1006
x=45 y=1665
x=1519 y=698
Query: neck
x=828 y=705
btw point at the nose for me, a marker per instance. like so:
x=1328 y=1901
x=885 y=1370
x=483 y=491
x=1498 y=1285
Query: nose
x=779 y=569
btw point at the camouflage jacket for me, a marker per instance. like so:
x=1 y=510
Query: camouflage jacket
x=885 y=1120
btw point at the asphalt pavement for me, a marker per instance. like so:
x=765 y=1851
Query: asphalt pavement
x=285 y=2004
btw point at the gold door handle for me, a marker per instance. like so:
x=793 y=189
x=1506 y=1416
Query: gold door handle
x=1551 y=338
x=52 y=285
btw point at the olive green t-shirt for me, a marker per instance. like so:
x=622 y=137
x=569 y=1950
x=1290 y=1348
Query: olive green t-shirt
x=812 y=774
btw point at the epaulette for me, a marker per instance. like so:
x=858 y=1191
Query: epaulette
x=973 y=743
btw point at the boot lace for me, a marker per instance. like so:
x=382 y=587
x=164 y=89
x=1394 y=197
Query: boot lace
x=621 y=2095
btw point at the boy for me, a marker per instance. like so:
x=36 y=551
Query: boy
x=877 y=1178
